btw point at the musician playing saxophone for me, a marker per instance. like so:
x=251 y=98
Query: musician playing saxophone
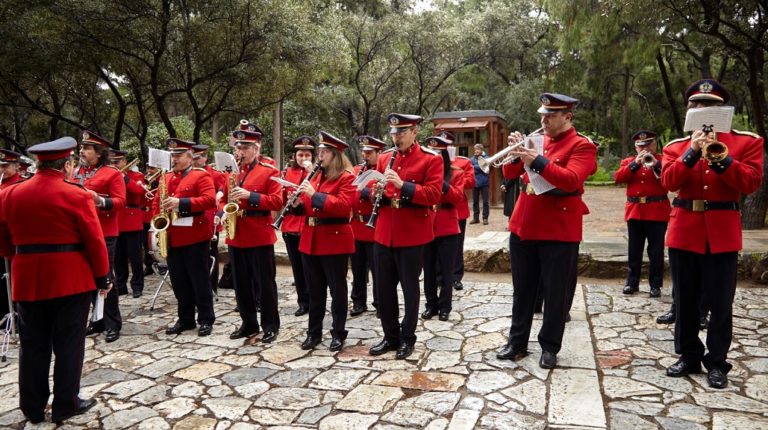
x=190 y=192
x=200 y=160
x=252 y=195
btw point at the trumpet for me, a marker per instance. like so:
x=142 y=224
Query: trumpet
x=649 y=160
x=503 y=157
x=130 y=165
x=713 y=150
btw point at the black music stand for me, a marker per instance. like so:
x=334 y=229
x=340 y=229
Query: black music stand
x=157 y=266
x=9 y=320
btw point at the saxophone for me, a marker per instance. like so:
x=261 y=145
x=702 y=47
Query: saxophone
x=231 y=209
x=161 y=222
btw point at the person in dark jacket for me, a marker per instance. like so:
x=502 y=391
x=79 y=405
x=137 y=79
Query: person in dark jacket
x=481 y=188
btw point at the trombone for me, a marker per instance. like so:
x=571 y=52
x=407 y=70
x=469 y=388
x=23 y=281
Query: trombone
x=503 y=157
x=129 y=166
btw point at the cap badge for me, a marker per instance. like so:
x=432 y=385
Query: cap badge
x=545 y=101
x=394 y=120
x=364 y=141
x=2 y=155
x=705 y=87
x=642 y=136
x=86 y=135
x=305 y=141
x=172 y=144
x=251 y=127
x=240 y=135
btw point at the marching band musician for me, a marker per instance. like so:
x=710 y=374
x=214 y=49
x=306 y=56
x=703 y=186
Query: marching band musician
x=252 y=250
x=404 y=226
x=646 y=212
x=107 y=187
x=462 y=208
x=704 y=234
x=200 y=160
x=130 y=221
x=9 y=169
x=440 y=253
x=327 y=239
x=296 y=172
x=545 y=229
x=362 y=258
x=55 y=272
x=190 y=193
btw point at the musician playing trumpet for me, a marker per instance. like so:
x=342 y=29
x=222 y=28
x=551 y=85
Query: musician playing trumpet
x=546 y=225
x=251 y=196
x=646 y=212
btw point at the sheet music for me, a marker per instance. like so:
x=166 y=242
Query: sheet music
x=225 y=160
x=183 y=221
x=719 y=117
x=540 y=185
x=159 y=159
x=98 y=307
x=283 y=182
x=366 y=177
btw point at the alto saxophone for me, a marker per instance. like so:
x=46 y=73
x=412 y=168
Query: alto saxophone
x=231 y=209
x=162 y=221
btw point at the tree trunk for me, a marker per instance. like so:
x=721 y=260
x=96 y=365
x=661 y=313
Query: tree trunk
x=668 y=93
x=625 y=115
x=756 y=204
x=277 y=135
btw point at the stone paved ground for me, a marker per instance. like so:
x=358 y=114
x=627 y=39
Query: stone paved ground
x=610 y=373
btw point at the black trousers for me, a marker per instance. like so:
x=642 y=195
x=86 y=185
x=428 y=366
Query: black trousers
x=327 y=272
x=214 y=253
x=52 y=326
x=476 y=193
x=714 y=277
x=189 y=266
x=440 y=256
x=362 y=262
x=551 y=266
x=148 y=260
x=640 y=231
x=112 y=319
x=128 y=251
x=458 y=273
x=297 y=267
x=398 y=265
x=253 y=273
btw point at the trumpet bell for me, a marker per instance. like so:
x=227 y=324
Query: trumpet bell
x=498 y=159
x=714 y=152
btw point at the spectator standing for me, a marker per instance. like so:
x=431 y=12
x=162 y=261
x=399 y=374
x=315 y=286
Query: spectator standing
x=481 y=188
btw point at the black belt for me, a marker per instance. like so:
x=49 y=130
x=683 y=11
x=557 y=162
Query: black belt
x=363 y=218
x=444 y=206
x=256 y=213
x=648 y=199
x=133 y=207
x=399 y=203
x=557 y=192
x=704 y=205
x=313 y=221
x=45 y=247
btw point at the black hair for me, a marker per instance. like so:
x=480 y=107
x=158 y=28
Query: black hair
x=57 y=164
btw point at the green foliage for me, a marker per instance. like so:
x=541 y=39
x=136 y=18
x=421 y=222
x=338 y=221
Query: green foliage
x=601 y=175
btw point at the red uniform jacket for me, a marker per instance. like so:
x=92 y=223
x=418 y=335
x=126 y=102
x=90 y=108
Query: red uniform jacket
x=194 y=188
x=46 y=210
x=694 y=179
x=361 y=210
x=332 y=200
x=567 y=161
x=293 y=223
x=131 y=217
x=10 y=180
x=469 y=183
x=411 y=224
x=254 y=228
x=643 y=182
x=108 y=182
x=446 y=218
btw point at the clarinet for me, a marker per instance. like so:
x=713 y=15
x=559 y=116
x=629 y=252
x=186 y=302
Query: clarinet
x=377 y=203
x=279 y=221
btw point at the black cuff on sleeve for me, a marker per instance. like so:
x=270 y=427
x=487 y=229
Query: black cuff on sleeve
x=720 y=167
x=657 y=167
x=101 y=283
x=409 y=188
x=108 y=204
x=254 y=199
x=318 y=200
x=185 y=206
x=633 y=166
x=126 y=179
x=297 y=210
x=219 y=213
x=539 y=163
x=365 y=194
x=446 y=186
x=691 y=157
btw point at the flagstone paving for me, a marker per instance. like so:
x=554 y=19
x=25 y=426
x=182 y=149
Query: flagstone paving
x=610 y=373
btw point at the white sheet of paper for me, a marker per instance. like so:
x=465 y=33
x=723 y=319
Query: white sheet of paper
x=366 y=177
x=225 y=160
x=283 y=182
x=451 y=152
x=719 y=117
x=159 y=159
x=183 y=221
x=540 y=185
x=98 y=307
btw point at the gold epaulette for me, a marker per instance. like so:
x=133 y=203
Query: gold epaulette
x=70 y=183
x=429 y=151
x=199 y=169
x=588 y=138
x=113 y=167
x=267 y=165
x=746 y=133
x=682 y=139
x=389 y=150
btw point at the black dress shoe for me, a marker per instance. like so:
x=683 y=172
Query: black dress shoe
x=137 y=294
x=94 y=328
x=112 y=335
x=443 y=315
x=35 y=420
x=242 y=332
x=629 y=289
x=475 y=221
x=548 y=360
x=269 y=336
x=310 y=343
x=178 y=328
x=568 y=317
x=703 y=323
x=383 y=347
x=336 y=344
x=149 y=272
x=458 y=286
x=717 y=379
x=485 y=222
x=667 y=318
x=302 y=310
x=683 y=368
x=204 y=330
x=358 y=309
x=428 y=313
x=82 y=407
x=512 y=352
x=655 y=292
x=405 y=350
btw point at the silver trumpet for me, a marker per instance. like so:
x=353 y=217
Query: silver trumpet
x=503 y=157
x=649 y=160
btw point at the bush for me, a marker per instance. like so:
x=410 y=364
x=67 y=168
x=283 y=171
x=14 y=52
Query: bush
x=601 y=175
